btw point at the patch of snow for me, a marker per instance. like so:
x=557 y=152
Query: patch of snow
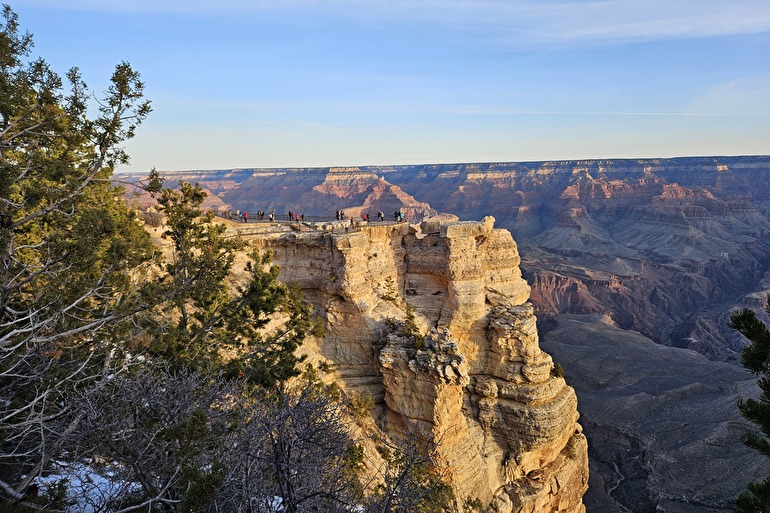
x=88 y=491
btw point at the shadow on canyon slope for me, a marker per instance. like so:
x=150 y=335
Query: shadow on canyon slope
x=662 y=423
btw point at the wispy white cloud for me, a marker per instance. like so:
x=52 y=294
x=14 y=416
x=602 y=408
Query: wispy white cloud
x=745 y=96
x=662 y=19
x=531 y=20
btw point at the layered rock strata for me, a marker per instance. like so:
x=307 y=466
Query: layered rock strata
x=663 y=246
x=434 y=323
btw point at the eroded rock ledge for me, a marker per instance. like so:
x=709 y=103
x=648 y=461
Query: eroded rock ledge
x=474 y=377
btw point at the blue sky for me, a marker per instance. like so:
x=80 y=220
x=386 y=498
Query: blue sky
x=259 y=83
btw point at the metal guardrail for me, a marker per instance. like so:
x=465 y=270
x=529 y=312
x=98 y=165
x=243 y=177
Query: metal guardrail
x=307 y=219
x=311 y=223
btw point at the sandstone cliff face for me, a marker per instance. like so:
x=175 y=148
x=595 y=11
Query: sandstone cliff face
x=477 y=381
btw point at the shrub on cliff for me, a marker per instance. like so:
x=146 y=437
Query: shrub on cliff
x=201 y=320
x=756 y=358
x=180 y=441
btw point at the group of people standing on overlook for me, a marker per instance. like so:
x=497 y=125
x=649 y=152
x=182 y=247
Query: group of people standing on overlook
x=243 y=215
x=340 y=215
x=397 y=216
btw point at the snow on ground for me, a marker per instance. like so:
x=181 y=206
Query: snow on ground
x=88 y=491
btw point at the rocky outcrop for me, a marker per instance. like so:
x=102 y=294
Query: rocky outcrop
x=434 y=323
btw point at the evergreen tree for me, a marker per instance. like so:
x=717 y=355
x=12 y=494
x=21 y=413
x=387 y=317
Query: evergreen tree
x=209 y=320
x=756 y=358
x=69 y=250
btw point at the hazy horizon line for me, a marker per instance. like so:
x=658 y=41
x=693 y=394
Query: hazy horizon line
x=451 y=163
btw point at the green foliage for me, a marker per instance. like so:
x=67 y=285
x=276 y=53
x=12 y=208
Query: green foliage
x=65 y=237
x=557 y=371
x=410 y=327
x=756 y=358
x=391 y=324
x=354 y=458
x=361 y=405
x=755 y=499
x=391 y=292
x=201 y=486
x=70 y=251
x=325 y=366
x=385 y=452
x=271 y=359
x=473 y=504
x=411 y=330
x=202 y=316
x=334 y=391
